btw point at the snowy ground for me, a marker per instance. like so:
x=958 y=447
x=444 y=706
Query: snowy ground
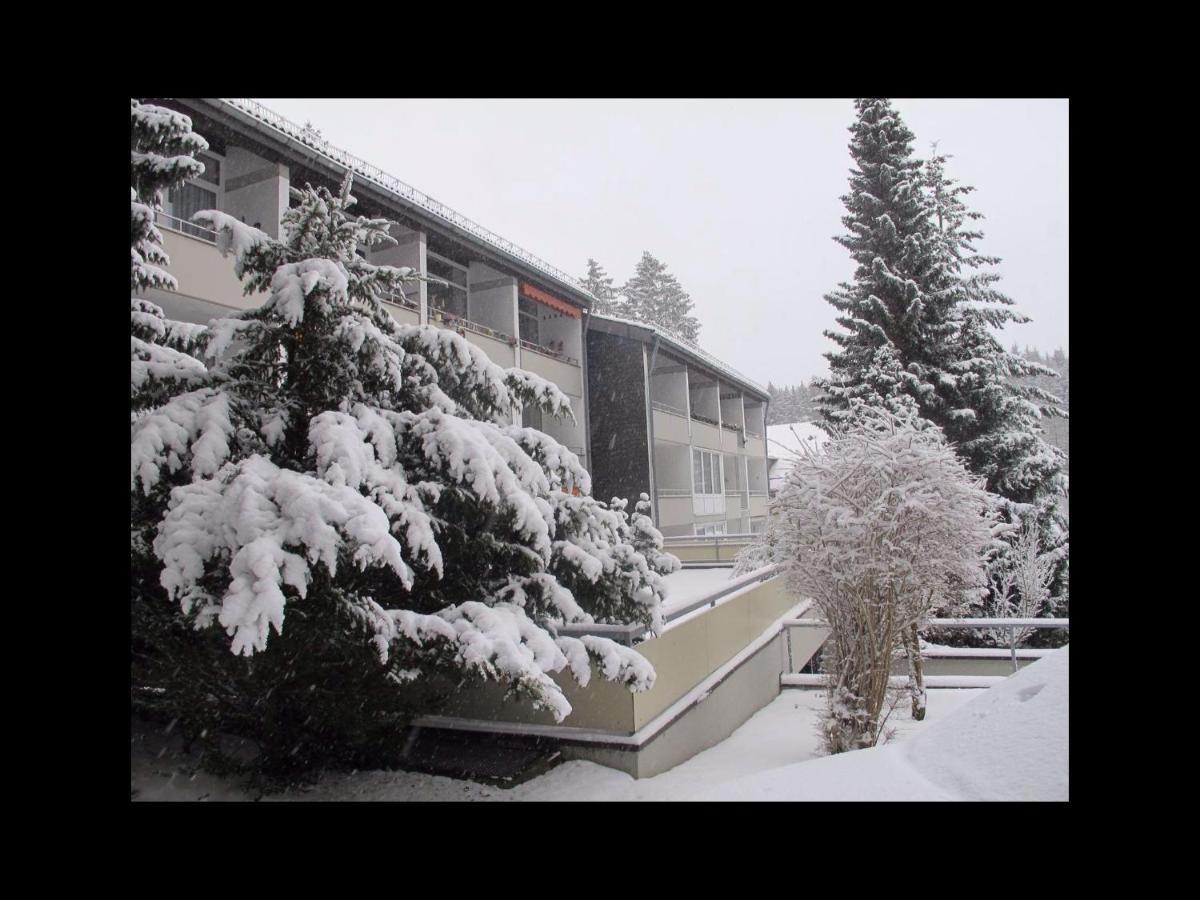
x=1006 y=743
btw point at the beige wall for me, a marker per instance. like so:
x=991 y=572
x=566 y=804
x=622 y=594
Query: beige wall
x=203 y=273
x=569 y=378
x=668 y=427
x=499 y=352
x=682 y=657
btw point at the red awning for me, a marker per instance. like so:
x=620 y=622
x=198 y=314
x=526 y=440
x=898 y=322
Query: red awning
x=528 y=290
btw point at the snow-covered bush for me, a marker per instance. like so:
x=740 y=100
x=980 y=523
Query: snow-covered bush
x=880 y=528
x=346 y=503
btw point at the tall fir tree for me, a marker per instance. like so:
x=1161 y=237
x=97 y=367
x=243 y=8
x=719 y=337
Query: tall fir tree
x=336 y=509
x=655 y=296
x=881 y=354
x=600 y=284
x=983 y=398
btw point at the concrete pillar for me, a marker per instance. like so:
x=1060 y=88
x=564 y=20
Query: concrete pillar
x=255 y=190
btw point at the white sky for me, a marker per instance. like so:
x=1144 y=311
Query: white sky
x=740 y=198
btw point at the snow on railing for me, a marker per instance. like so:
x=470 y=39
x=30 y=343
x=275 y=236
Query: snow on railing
x=627 y=634
x=363 y=169
x=182 y=226
x=1013 y=625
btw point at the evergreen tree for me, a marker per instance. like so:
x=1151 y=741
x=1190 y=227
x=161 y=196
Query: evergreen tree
x=880 y=359
x=653 y=295
x=161 y=149
x=983 y=398
x=600 y=284
x=361 y=480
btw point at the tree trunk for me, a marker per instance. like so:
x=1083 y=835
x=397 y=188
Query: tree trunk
x=916 y=675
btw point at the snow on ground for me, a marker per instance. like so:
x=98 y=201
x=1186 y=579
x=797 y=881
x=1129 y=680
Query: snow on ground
x=1009 y=743
x=781 y=734
x=1006 y=743
x=687 y=585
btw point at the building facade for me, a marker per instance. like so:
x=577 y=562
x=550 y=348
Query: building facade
x=676 y=423
x=518 y=309
x=652 y=413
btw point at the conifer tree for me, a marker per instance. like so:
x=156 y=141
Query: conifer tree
x=161 y=149
x=338 y=507
x=983 y=398
x=655 y=296
x=600 y=284
x=881 y=354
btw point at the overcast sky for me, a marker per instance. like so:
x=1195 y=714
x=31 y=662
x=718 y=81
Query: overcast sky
x=740 y=198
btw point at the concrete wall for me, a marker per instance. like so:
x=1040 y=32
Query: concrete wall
x=255 y=190
x=569 y=378
x=492 y=299
x=499 y=352
x=408 y=251
x=203 y=275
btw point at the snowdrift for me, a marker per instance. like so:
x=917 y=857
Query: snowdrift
x=1010 y=743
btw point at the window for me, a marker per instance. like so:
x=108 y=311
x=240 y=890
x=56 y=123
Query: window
x=708 y=494
x=449 y=298
x=528 y=314
x=201 y=192
x=710 y=530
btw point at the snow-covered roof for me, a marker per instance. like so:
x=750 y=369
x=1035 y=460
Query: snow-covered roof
x=687 y=348
x=393 y=185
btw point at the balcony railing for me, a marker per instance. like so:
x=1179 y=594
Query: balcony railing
x=182 y=226
x=461 y=324
x=674 y=492
x=668 y=408
x=393 y=298
x=696 y=417
x=548 y=351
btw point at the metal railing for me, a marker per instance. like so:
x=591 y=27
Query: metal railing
x=1012 y=625
x=443 y=319
x=668 y=408
x=628 y=634
x=182 y=226
x=363 y=169
x=547 y=351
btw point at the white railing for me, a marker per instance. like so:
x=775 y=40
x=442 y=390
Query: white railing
x=363 y=169
x=1012 y=625
x=668 y=408
x=627 y=634
x=182 y=226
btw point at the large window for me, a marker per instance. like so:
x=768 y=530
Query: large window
x=528 y=315
x=708 y=491
x=713 y=528
x=201 y=192
x=451 y=297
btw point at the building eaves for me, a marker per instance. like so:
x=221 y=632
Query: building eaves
x=646 y=332
x=290 y=132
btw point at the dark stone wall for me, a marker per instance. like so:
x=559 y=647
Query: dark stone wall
x=617 y=407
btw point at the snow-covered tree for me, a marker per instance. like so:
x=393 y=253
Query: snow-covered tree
x=655 y=296
x=342 y=506
x=885 y=311
x=982 y=397
x=161 y=150
x=600 y=283
x=880 y=528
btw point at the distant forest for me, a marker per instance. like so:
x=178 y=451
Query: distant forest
x=796 y=403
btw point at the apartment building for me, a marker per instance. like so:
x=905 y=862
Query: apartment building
x=673 y=421
x=518 y=309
